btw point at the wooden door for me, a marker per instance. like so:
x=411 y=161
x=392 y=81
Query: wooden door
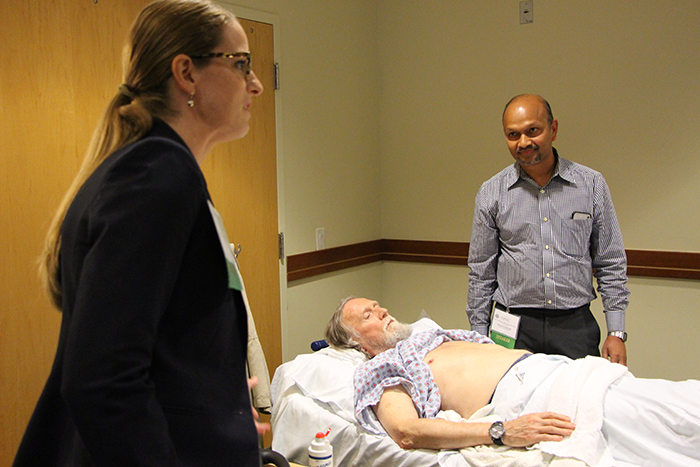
x=242 y=181
x=61 y=64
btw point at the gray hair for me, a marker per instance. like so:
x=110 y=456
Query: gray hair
x=338 y=334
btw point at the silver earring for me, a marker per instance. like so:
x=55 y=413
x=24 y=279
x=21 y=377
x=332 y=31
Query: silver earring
x=190 y=102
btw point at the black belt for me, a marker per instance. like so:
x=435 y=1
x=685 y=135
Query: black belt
x=540 y=311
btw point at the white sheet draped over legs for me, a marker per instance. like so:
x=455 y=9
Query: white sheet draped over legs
x=646 y=422
x=653 y=422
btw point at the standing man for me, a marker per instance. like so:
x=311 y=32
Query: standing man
x=543 y=227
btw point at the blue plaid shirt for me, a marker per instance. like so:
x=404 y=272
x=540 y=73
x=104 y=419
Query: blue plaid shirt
x=536 y=247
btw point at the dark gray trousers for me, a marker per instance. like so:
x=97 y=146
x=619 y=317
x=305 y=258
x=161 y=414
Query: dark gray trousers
x=574 y=333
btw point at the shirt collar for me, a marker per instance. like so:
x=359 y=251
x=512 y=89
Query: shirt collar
x=564 y=169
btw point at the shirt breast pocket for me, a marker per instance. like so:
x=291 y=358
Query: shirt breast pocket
x=576 y=236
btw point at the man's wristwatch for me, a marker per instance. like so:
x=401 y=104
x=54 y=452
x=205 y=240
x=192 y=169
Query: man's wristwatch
x=621 y=334
x=497 y=432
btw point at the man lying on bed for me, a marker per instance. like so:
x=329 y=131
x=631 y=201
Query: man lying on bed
x=410 y=378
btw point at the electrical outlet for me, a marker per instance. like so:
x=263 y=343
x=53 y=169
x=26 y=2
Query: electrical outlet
x=320 y=238
x=526 y=13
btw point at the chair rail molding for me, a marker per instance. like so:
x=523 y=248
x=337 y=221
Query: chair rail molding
x=647 y=263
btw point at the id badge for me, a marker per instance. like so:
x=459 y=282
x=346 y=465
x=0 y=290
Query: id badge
x=504 y=328
x=234 y=275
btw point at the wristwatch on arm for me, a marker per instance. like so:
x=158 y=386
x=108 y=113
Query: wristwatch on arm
x=497 y=431
x=621 y=334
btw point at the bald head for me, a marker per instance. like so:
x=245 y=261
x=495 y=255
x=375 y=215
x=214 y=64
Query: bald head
x=530 y=99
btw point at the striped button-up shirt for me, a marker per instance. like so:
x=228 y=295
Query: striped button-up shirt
x=537 y=247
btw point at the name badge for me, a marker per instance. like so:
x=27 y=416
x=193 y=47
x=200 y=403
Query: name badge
x=234 y=275
x=504 y=328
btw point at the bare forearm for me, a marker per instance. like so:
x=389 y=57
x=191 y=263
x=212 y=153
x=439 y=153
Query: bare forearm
x=439 y=434
x=443 y=434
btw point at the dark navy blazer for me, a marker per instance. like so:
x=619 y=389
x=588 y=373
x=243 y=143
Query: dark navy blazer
x=150 y=366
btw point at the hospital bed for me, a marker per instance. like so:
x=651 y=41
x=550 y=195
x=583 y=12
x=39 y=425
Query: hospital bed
x=314 y=392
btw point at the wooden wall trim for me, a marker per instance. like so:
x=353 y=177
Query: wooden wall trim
x=327 y=260
x=648 y=263
x=418 y=251
x=670 y=264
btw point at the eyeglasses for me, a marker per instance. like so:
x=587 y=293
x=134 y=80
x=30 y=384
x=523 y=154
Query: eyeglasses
x=245 y=64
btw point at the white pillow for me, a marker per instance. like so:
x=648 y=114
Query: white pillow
x=425 y=324
x=326 y=376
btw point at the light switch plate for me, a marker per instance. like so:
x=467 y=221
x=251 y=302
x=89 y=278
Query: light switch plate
x=526 y=13
x=320 y=238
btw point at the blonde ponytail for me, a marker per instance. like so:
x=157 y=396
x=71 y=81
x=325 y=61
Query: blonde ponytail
x=162 y=30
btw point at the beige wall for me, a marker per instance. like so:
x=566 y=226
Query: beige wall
x=390 y=120
x=330 y=105
x=312 y=302
x=622 y=81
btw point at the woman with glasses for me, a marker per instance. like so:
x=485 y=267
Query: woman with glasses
x=150 y=366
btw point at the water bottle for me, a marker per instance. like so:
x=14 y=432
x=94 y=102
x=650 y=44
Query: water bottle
x=321 y=451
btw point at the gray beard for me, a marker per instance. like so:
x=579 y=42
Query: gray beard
x=401 y=332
